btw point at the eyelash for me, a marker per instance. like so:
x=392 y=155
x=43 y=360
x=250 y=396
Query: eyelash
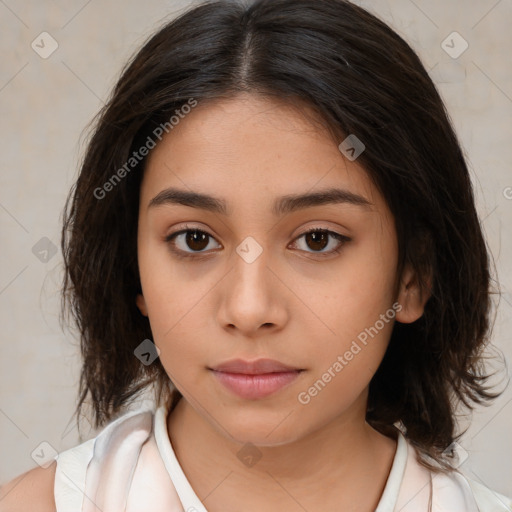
x=183 y=254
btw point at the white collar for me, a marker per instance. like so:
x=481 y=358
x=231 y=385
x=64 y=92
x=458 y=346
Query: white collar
x=187 y=495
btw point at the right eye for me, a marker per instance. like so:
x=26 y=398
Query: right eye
x=191 y=238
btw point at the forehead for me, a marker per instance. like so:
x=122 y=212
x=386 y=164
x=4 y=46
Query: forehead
x=248 y=146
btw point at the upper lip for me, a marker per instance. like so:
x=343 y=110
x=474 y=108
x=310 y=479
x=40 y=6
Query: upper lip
x=256 y=367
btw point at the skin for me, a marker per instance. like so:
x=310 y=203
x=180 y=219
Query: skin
x=290 y=304
x=32 y=490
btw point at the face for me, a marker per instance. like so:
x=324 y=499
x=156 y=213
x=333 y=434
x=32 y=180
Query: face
x=240 y=277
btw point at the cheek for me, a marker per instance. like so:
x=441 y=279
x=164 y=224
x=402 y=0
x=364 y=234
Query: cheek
x=175 y=296
x=170 y=289
x=357 y=317
x=178 y=325
x=343 y=365
x=355 y=296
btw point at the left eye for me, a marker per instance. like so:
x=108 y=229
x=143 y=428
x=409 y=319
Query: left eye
x=197 y=240
x=318 y=239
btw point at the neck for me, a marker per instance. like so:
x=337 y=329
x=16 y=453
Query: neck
x=344 y=458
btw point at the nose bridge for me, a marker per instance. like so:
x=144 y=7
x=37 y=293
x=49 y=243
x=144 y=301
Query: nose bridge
x=250 y=265
x=250 y=298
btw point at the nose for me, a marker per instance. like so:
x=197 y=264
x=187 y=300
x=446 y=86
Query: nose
x=254 y=298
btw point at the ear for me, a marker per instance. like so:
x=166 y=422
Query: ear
x=410 y=296
x=141 y=304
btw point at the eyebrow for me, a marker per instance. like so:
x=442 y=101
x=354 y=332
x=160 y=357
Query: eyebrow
x=282 y=206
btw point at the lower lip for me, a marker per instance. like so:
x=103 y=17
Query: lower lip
x=255 y=386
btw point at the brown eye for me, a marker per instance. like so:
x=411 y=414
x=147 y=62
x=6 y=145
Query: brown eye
x=195 y=240
x=189 y=241
x=318 y=239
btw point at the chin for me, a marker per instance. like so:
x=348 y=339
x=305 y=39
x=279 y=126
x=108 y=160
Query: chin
x=261 y=429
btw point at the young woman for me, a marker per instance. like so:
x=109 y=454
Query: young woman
x=274 y=228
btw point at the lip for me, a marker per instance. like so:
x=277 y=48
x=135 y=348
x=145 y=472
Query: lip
x=253 y=380
x=257 y=367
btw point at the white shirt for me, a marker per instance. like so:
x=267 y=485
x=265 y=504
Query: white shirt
x=131 y=466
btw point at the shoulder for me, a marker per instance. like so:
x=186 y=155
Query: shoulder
x=85 y=469
x=32 y=491
x=61 y=485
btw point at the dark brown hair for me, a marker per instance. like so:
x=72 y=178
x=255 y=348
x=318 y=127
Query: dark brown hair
x=361 y=78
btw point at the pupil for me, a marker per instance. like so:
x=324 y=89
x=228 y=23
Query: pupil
x=194 y=237
x=316 y=235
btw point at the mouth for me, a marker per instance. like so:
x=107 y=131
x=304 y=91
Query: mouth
x=254 y=380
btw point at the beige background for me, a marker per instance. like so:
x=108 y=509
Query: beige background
x=45 y=104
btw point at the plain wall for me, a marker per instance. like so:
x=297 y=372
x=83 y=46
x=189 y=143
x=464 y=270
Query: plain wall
x=45 y=104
